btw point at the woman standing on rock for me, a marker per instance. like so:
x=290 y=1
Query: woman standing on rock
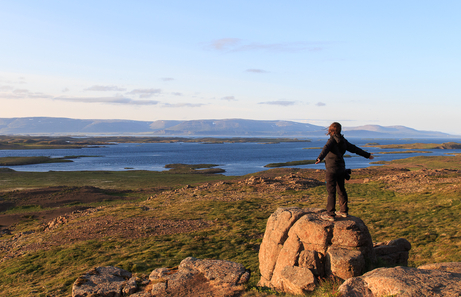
x=336 y=173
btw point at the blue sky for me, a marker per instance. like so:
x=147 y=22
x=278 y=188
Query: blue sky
x=358 y=62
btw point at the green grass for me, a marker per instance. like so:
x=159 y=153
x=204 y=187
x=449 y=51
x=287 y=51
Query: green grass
x=291 y=163
x=404 y=152
x=24 y=209
x=194 y=168
x=446 y=145
x=121 y=180
x=242 y=235
x=429 y=220
x=430 y=162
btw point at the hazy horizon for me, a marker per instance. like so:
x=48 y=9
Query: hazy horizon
x=57 y=125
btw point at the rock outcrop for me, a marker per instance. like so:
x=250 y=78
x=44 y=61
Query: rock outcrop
x=298 y=247
x=104 y=281
x=193 y=277
x=441 y=279
x=394 y=252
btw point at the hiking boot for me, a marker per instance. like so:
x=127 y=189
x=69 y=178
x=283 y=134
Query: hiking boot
x=326 y=217
x=341 y=214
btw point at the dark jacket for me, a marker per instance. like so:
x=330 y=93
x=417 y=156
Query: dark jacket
x=334 y=150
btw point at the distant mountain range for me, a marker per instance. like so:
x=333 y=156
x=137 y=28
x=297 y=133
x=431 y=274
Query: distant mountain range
x=227 y=127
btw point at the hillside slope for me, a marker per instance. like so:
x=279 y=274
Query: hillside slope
x=222 y=127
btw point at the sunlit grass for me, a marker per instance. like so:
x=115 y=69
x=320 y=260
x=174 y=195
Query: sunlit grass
x=429 y=220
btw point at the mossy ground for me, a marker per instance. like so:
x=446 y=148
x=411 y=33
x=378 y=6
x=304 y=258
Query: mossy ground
x=236 y=214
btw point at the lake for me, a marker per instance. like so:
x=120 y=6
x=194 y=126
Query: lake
x=235 y=158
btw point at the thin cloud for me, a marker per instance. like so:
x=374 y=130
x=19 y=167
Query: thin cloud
x=279 y=102
x=118 y=99
x=65 y=90
x=105 y=88
x=25 y=94
x=256 y=71
x=177 y=93
x=280 y=47
x=229 y=98
x=6 y=88
x=320 y=104
x=236 y=45
x=21 y=80
x=167 y=78
x=108 y=100
x=225 y=43
x=179 y=105
x=145 y=93
x=21 y=91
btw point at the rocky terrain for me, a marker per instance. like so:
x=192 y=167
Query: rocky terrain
x=227 y=216
x=299 y=249
x=84 y=223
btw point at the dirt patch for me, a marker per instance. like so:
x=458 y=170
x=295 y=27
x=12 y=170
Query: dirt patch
x=8 y=220
x=422 y=180
x=55 y=196
x=64 y=224
x=69 y=229
x=130 y=228
x=54 y=201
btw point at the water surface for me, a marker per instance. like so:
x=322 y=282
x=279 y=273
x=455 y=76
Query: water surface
x=235 y=158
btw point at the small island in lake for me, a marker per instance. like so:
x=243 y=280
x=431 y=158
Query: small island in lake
x=17 y=161
x=66 y=142
x=443 y=146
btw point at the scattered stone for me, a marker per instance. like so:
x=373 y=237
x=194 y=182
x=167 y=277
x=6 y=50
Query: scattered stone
x=406 y=281
x=106 y=281
x=193 y=277
x=64 y=219
x=394 y=252
x=5 y=232
x=418 y=181
x=281 y=183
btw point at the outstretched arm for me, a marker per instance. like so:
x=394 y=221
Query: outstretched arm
x=356 y=150
x=326 y=149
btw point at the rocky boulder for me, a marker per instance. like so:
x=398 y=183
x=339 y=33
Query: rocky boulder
x=196 y=277
x=394 y=252
x=442 y=279
x=298 y=247
x=104 y=281
x=193 y=277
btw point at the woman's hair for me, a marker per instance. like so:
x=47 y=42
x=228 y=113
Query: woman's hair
x=334 y=128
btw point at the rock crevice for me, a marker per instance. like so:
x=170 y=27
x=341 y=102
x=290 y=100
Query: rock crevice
x=299 y=247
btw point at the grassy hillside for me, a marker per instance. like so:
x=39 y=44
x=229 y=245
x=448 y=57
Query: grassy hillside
x=140 y=220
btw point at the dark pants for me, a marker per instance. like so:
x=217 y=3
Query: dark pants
x=335 y=183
